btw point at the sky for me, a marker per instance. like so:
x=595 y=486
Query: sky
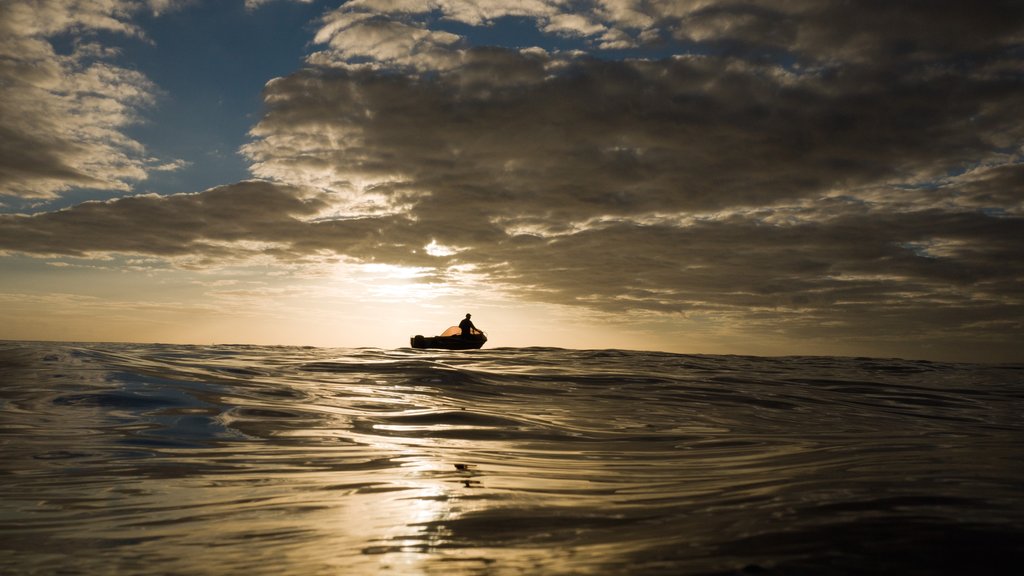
x=794 y=177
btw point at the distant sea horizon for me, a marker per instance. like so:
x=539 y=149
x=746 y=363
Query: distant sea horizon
x=495 y=346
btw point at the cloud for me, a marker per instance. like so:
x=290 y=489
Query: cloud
x=997 y=187
x=355 y=37
x=521 y=138
x=825 y=32
x=824 y=264
x=820 y=170
x=63 y=116
x=254 y=4
x=865 y=186
x=160 y=7
x=573 y=25
x=814 y=32
x=206 y=224
x=473 y=12
x=244 y=223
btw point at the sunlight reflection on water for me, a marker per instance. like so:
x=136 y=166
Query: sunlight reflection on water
x=169 y=459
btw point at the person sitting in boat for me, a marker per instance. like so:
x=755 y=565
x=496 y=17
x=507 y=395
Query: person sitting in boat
x=467 y=326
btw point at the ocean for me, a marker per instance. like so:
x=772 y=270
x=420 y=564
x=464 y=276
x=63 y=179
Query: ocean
x=168 y=459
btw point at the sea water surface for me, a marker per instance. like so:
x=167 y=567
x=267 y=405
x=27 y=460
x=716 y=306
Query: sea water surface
x=166 y=459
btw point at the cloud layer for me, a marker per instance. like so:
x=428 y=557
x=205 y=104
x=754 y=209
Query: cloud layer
x=63 y=115
x=820 y=170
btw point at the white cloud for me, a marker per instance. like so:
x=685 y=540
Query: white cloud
x=355 y=38
x=63 y=117
x=573 y=25
x=254 y=4
x=159 y=7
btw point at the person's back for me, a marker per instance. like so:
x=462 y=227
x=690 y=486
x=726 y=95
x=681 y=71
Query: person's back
x=467 y=326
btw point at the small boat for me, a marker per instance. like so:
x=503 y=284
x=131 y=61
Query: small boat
x=450 y=339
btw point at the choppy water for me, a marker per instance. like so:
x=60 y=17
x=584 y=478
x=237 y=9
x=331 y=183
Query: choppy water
x=154 y=459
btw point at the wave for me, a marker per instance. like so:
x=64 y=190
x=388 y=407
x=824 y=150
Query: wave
x=186 y=459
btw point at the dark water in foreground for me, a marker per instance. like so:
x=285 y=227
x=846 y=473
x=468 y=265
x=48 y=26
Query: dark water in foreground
x=151 y=459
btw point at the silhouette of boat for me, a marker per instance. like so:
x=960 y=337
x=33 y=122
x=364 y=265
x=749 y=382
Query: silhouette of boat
x=450 y=339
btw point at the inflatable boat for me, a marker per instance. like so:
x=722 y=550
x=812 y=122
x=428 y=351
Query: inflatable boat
x=450 y=339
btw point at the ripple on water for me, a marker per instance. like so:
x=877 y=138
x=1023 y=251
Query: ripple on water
x=268 y=460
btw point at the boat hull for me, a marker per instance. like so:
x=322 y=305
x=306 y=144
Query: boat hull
x=448 y=342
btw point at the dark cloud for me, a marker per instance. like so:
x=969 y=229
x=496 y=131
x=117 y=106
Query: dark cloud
x=621 y=139
x=883 y=34
x=204 y=223
x=875 y=33
x=224 y=225
x=740 y=263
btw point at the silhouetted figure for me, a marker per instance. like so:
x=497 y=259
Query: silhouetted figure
x=467 y=326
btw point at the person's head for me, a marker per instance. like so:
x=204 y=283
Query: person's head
x=467 y=316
